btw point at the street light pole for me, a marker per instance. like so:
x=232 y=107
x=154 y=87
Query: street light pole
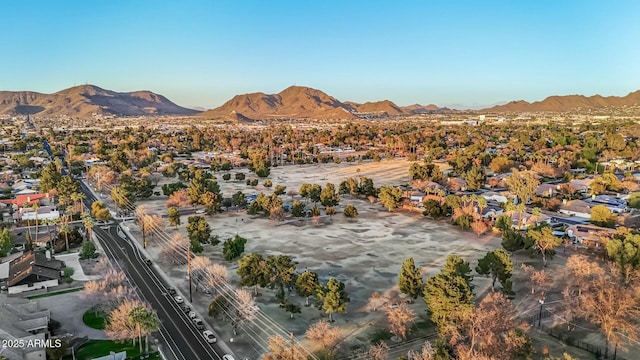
x=189 y=270
x=541 y=301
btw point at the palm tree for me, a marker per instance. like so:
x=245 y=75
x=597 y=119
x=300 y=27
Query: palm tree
x=36 y=207
x=145 y=321
x=77 y=199
x=66 y=220
x=87 y=221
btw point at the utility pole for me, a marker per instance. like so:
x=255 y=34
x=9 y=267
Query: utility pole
x=189 y=270
x=292 y=346
x=540 y=314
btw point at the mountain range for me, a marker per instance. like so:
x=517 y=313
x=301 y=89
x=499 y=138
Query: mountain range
x=292 y=102
x=568 y=103
x=86 y=100
x=305 y=102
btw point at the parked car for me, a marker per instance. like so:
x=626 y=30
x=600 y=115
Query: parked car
x=171 y=291
x=192 y=315
x=228 y=357
x=178 y=299
x=198 y=323
x=200 y=211
x=209 y=336
x=185 y=308
x=148 y=262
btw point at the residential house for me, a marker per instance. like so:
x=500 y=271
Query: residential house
x=495 y=196
x=576 y=208
x=522 y=220
x=615 y=205
x=23 y=320
x=581 y=185
x=588 y=235
x=492 y=211
x=547 y=190
x=29 y=214
x=33 y=270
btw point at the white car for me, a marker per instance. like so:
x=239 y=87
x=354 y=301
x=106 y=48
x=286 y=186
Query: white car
x=228 y=357
x=200 y=211
x=209 y=336
x=178 y=299
x=192 y=315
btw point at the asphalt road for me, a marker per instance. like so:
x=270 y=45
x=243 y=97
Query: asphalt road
x=180 y=339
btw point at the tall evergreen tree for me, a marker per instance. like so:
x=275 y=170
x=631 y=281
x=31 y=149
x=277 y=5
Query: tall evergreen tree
x=333 y=297
x=410 y=279
x=449 y=294
x=497 y=263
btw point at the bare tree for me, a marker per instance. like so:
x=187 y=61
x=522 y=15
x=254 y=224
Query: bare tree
x=379 y=351
x=324 y=334
x=583 y=271
x=400 y=319
x=539 y=279
x=376 y=300
x=175 y=251
x=178 y=199
x=118 y=325
x=488 y=332
x=609 y=303
x=281 y=349
x=426 y=353
x=214 y=275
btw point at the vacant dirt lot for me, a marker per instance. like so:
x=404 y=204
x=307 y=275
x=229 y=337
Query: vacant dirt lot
x=365 y=253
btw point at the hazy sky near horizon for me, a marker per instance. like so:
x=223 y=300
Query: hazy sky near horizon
x=201 y=53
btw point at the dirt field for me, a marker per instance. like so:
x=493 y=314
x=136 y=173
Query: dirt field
x=366 y=253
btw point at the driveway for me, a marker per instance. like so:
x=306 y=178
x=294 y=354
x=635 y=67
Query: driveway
x=73 y=261
x=68 y=310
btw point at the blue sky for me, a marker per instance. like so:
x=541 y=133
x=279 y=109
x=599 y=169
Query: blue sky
x=201 y=53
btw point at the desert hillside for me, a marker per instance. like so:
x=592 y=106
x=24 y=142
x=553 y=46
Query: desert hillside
x=86 y=100
x=568 y=103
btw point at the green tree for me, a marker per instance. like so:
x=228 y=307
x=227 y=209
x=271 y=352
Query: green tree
x=297 y=209
x=496 y=263
x=196 y=246
x=87 y=222
x=449 y=294
x=88 y=250
x=145 y=321
x=6 y=242
x=410 y=279
x=232 y=248
x=390 y=196
x=306 y=285
x=49 y=178
x=198 y=229
x=279 y=190
x=543 y=241
x=350 y=212
x=314 y=193
x=523 y=184
x=328 y=196
x=512 y=240
x=100 y=212
x=252 y=269
x=504 y=222
x=333 y=297
x=475 y=177
x=174 y=216
x=602 y=216
x=239 y=200
x=168 y=189
x=282 y=272
x=625 y=252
